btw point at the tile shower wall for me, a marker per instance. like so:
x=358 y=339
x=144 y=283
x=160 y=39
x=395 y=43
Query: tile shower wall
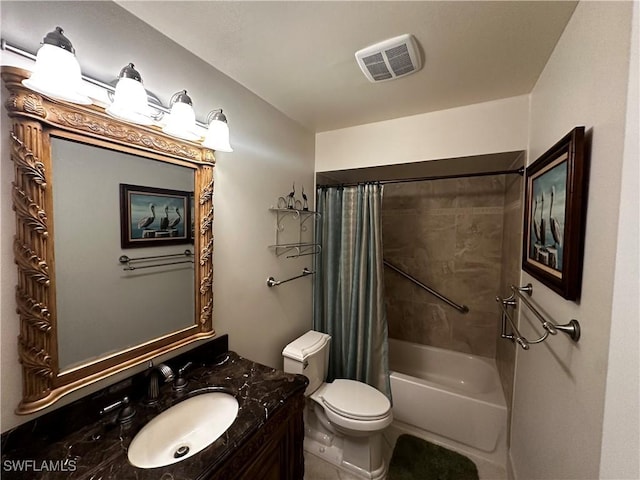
x=511 y=260
x=449 y=235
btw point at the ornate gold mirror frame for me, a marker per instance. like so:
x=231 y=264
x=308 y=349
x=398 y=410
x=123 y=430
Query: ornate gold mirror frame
x=34 y=118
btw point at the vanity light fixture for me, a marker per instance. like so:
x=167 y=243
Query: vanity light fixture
x=181 y=121
x=57 y=75
x=57 y=71
x=130 y=98
x=217 y=137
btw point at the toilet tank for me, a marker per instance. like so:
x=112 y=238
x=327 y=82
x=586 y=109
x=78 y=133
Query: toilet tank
x=308 y=355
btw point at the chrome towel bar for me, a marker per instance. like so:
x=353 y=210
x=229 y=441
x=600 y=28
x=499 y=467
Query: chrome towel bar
x=127 y=261
x=272 y=282
x=572 y=329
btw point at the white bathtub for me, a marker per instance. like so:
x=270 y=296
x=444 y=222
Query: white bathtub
x=449 y=395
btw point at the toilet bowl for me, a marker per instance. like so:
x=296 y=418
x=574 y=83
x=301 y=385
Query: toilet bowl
x=344 y=419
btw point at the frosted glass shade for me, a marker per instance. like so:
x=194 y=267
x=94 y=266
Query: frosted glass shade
x=181 y=122
x=57 y=75
x=217 y=137
x=130 y=102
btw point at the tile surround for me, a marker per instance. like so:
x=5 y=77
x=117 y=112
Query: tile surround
x=452 y=235
x=512 y=241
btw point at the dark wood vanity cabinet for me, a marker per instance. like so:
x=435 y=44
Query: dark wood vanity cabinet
x=265 y=442
x=274 y=452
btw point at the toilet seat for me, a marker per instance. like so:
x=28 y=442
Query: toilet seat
x=355 y=400
x=354 y=405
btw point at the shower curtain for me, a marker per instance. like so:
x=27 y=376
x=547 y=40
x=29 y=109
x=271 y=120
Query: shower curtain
x=349 y=286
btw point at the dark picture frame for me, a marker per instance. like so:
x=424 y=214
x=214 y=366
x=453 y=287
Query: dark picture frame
x=151 y=216
x=554 y=216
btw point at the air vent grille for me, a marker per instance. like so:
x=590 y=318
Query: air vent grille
x=400 y=60
x=377 y=67
x=389 y=59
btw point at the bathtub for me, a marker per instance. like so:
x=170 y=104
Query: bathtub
x=453 y=397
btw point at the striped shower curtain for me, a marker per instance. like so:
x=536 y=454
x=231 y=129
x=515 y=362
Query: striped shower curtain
x=349 y=286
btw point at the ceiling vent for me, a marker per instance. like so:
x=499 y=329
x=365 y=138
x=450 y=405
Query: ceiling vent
x=390 y=59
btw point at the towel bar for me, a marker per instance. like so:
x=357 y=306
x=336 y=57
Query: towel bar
x=572 y=329
x=272 y=282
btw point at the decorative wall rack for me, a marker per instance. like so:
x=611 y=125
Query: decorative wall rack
x=152 y=260
x=572 y=329
x=293 y=233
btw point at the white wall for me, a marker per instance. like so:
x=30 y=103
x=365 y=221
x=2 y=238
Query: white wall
x=271 y=152
x=557 y=419
x=483 y=128
x=621 y=429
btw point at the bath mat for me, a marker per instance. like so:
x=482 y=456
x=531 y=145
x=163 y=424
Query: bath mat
x=417 y=459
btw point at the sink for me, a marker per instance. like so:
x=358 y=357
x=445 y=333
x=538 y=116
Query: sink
x=183 y=430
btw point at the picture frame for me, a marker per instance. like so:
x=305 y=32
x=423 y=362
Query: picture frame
x=151 y=216
x=554 y=215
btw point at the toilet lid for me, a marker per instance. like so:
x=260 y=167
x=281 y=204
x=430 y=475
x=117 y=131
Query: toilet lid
x=305 y=346
x=355 y=400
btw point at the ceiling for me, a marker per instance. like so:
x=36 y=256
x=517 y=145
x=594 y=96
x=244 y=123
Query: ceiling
x=299 y=55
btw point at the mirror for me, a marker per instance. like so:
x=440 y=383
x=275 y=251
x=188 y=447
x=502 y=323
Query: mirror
x=83 y=183
x=101 y=307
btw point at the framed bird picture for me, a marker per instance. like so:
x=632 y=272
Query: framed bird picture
x=154 y=216
x=554 y=216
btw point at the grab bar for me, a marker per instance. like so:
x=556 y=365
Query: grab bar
x=272 y=282
x=572 y=329
x=126 y=260
x=460 y=308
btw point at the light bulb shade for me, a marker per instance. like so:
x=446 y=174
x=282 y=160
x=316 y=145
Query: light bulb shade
x=130 y=99
x=56 y=73
x=181 y=121
x=217 y=137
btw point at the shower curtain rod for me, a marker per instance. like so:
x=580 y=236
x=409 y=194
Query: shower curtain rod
x=519 y=171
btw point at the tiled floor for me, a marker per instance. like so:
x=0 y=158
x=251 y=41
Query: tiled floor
x=318 y=469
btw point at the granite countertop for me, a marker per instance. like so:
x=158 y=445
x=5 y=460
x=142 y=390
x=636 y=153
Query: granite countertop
x=97 y=450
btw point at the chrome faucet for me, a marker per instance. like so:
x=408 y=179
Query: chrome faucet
x=155 y=373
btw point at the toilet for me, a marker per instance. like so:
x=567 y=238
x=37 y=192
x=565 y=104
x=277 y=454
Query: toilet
x=344 y=419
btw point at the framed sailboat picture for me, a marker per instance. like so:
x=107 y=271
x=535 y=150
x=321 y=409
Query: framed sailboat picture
x=154 y=216
x=554 y=216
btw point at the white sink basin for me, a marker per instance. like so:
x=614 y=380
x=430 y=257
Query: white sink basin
x=183 y=430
